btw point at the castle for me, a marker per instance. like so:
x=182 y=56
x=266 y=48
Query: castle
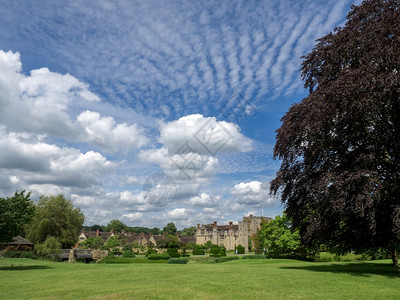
x=231 y=235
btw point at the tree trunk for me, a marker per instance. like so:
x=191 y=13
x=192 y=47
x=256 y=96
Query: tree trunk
x=395 y=259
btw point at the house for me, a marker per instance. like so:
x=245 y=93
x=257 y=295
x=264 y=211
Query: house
x=18 y=242
x=230 y=235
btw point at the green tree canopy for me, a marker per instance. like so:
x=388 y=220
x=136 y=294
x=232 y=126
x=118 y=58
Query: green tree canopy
x=15 y=212
x=339 y=147
x=278 y=239
x=170 y=229
x=50 y=248
x=55 y=216
x=116 y=225
x=188 y=231
x=94 y=242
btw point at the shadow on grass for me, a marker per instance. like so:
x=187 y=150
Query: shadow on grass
x=23 y=268
x=354 y=269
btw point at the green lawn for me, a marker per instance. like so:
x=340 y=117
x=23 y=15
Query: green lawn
x=242 y=279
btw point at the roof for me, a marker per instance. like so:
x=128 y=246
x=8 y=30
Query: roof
x=19 y=240
x=210 y=227
x=187 y=238
x=157 y=238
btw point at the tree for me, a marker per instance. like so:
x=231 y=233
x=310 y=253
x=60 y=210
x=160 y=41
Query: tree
x=188 y=231
x=278 y=239
x=14 y=213
x=170 y=229
x=55 y=216
x=116 y=225
x=50 y=248
x=169 y=241
x=94 y=242
x=339 y=147
x=112 y=242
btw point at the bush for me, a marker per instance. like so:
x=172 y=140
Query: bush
x=178 y=260
x=128 y=254
x=225 y=259
x=10 y=254
x=27 y=254
x=185 y=255
x=151 y=251
x=117 y=253
x=173 y=252
x=155 y=256
x=240 y=249
x=254 y=257
x=127 y=247
x=198 y=251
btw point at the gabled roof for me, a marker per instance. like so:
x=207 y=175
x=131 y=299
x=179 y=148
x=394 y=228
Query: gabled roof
x=19 y=240
x=187 y=238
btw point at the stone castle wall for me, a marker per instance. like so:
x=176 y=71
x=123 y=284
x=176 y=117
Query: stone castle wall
x=230 y=235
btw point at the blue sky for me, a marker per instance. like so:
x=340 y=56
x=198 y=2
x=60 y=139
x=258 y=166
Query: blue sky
x=152 y=111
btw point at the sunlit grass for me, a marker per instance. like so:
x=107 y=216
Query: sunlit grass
x=241 y=279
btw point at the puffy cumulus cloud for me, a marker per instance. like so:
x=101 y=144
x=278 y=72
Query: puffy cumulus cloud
x=36 y=163
x=105 y=133
x=83 y=201
x=45 y=103
x=251 y=193
x=204 y=135
x=189 y=148
x=205 y=200
x=178 y=214
x=132 y=216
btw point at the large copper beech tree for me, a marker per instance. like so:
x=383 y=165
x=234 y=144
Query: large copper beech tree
x=340 y=147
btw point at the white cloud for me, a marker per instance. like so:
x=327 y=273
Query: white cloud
x=178 y=214
x=251 y=193
x=205 y=200
x=188 y=148
x=35 y=162
x=105 y=133
x=133 y=216
x=43 y=102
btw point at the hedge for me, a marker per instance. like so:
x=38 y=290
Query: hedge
x=178 y=260
x=164 y=256
x=198 y=251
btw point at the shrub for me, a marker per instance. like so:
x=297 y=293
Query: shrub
x=225 y=259
x=173 y=252
x=155 y=256
x=128 y=254
x=151 y=251
x=178 y=260
x=117 y=253
x=127 y=247
x=10 y=254
x=27 y=254
x=240 y=249
x=198 y=251
x=254 y=257
x=185 y=255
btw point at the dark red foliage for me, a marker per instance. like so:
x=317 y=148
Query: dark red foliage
x=340 y=146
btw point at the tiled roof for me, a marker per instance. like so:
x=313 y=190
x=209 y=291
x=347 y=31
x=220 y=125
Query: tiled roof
x=19 y=240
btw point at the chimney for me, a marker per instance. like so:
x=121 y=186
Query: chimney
x=177 y=235
x=230 y=225
x=215 y=224
x=97 y=233
x=198 y=225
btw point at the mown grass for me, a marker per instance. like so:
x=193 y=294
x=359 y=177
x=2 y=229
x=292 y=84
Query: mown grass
x=239 y=279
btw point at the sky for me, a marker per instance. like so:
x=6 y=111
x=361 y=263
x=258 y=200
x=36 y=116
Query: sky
x=152 y=112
